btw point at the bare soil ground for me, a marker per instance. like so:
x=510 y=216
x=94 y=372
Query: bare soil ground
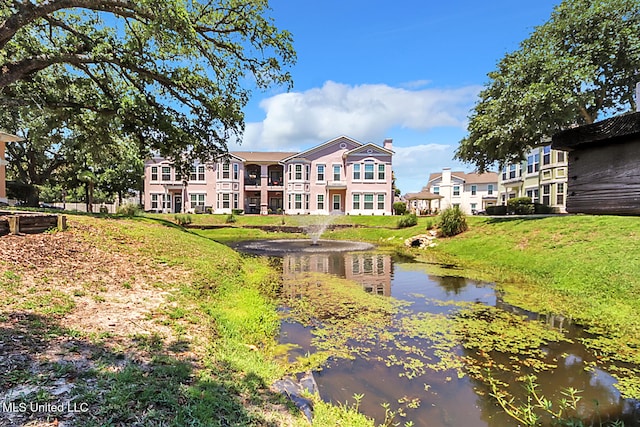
x=67 y=299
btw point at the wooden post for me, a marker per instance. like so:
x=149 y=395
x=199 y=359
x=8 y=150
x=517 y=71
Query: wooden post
x=62 y=222
x=14 y=224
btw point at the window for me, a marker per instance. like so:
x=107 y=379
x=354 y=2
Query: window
x=166 y=201
x=178 y=175
x=235 y=171
x=154 y=173
x=546 y=155
x=336 y=172
x=154 y=201
x=490 y=189
x=166 y=173
x=356 y=171
x=560 y=156
x=235 y=201
x=320 y=172
x=197 y=173
x=436 y=190
x=356 y=201
x=298 y=197
x=474 y=206
x=225 y=200
x=307 y=170
x=368 y=201
x=474 y=190
x=533 y=163
x=320 y=201
x=561 y=173
x=504 y=173
x=533 y=194
x=225 y=171
x=306 y=201
x=356 y=265
x=197 y=200
x=368 y=171
x=560 y=193
x=381 y=201
x=290 y=168
x=546 y=194
x=456 y=190
x=298 y=174
x=381 y=172
x=512 y=171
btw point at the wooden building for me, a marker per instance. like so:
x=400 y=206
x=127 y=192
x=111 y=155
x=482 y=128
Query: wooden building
x=603 y=166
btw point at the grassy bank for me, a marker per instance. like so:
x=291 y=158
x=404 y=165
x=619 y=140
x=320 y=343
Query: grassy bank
x=141 y=323
x=581 y=267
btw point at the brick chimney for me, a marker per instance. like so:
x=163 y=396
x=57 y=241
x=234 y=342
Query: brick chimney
x=388 y=144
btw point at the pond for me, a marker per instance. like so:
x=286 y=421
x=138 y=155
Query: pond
x=447 y=345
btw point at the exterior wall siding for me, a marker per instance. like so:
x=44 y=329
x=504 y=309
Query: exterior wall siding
x=321 y=181
x=542 y=176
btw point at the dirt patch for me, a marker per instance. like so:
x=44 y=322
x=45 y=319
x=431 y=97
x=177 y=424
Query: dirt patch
x=73 y=300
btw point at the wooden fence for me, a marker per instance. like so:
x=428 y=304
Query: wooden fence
x=30 y=223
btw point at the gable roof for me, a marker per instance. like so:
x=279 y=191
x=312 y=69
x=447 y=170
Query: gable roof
x=469 y=178
x=323 y=145
x=423 y=195
x=610 y=131
x=369 y=146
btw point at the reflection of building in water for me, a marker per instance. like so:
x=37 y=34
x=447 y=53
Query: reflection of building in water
x=372 y=271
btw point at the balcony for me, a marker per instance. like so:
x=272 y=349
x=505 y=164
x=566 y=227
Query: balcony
x=337 y=185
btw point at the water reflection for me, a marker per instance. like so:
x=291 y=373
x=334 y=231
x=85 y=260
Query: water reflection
x=373 y=271
x=440 y=398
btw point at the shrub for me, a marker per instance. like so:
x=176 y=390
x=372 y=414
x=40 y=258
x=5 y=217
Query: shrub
x=452 y=221
x=182 y=219
x=539 y=208
x=128 y=209
x=231 y=218
x=520 y=206
x=237 y=211
x=400 y=208
x=407 y=221
x=496 y=210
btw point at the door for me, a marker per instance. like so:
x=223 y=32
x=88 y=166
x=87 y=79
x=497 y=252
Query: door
x=177 y=204
x=336 y=205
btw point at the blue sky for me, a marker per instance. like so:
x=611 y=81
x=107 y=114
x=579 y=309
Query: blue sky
x=371 y=70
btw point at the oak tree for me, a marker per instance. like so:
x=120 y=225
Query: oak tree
x=578 y=66
x=175 y=74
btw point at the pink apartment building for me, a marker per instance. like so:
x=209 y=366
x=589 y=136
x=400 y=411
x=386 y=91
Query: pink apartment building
x=340 y=176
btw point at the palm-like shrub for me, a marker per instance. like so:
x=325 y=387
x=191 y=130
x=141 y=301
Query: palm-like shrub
x=408 y=220
x=452 y=221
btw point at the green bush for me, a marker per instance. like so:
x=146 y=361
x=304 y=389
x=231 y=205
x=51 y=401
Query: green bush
x=496 y=210
x=407 y=221
x=182 y=219
x=128 y=209
x=520 y=206
x=452 y=221
x=400 y=208
x=237 y=211
x=231 y=218
x=539 y=208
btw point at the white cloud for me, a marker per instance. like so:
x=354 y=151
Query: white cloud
x=298 y=120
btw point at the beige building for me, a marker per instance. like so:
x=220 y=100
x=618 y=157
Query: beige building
x=542 y=177
x=471 y=192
